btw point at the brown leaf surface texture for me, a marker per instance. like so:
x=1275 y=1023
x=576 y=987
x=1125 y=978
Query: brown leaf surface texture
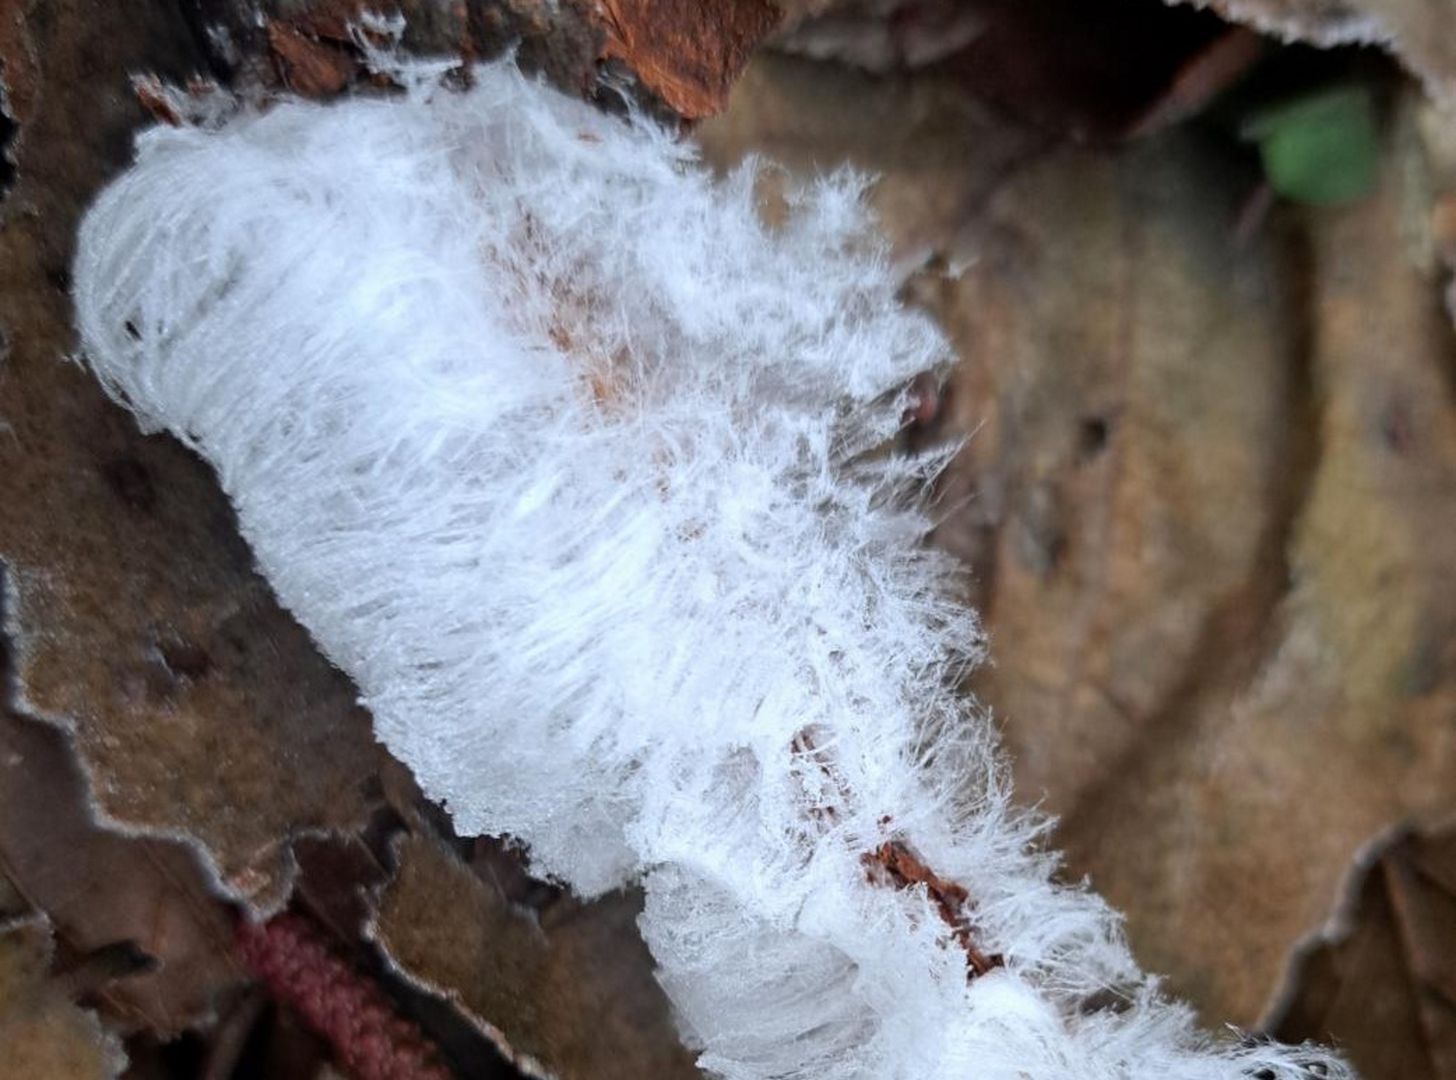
x=144 y=900
x=1204 y=476
x=569 y=991
x=42 y=1033
x=196 y=704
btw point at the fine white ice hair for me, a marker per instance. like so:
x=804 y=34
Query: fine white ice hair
x=570 y=462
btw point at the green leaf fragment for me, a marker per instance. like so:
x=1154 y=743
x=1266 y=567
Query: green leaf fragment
x=1322 y=149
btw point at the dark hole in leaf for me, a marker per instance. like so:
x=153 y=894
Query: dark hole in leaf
x=372 y=788
x=132 y=331
x=186 y=1055
x=185 y=659
x=1092 y=436
x=1396 y=428
x=132 y=483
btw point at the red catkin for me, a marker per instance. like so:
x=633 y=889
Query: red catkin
x=368 y=1038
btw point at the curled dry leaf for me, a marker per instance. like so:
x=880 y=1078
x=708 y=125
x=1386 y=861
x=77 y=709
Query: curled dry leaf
x=1383 y=982
x=42 y=1032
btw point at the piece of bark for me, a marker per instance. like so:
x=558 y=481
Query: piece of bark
x=682 y=55
x=687 y=52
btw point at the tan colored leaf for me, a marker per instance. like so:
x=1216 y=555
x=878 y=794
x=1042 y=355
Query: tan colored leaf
x=109 y=894
x=197 y=705
x=1346 y=723
x=571 y=995
x=43 y=1034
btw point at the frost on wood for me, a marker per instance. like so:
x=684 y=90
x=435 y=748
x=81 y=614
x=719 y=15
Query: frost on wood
x=566 y=459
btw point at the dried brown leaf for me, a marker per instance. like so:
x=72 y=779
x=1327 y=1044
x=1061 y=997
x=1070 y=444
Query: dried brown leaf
x=43 y=1033
x=1345 y=723
x=572 y=992
x=111 y=899
x=197 y=705
x=1384 y=983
